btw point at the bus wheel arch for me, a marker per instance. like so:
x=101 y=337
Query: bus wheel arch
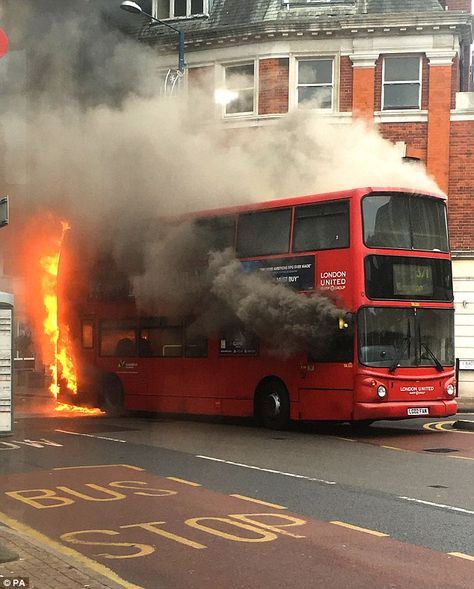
x=111 y=395
x=272 y=403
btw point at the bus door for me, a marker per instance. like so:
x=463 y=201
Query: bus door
x=327 y=389
x=119 y=354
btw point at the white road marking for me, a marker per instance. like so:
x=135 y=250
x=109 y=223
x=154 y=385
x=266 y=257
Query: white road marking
x=441 y=505
x=286 y=474
x=62 y=431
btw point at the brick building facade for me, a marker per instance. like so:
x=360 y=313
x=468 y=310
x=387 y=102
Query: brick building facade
x=404 y=65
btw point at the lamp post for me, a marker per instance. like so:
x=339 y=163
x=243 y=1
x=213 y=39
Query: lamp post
x=135 y=8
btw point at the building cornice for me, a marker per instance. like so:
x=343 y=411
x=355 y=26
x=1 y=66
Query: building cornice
x=363 y=26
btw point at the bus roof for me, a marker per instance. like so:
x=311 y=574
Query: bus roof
x=357 y=193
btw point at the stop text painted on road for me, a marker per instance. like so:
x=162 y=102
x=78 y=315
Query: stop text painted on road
x=166 y=531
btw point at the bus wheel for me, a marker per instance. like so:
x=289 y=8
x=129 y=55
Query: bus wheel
x=111 y=396
x=273 y=405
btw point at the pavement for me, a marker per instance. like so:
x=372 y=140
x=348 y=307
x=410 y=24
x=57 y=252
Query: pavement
x=40 y=566
x=44 y=563
x=46 y=567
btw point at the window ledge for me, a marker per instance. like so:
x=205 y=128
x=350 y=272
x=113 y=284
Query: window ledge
x=179 y=19
x=401 y=116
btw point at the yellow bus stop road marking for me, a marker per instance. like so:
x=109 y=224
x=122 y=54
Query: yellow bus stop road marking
x=99 y=466
x=266 y=503
x=66 y=551
x=359 y=529
x=461 y=555
x=184 y=482
x=441 y=427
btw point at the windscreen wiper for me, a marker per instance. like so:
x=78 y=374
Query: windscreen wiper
x=439 y=366
x=399 y=353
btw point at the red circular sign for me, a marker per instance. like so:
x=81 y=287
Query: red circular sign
x=3 y=43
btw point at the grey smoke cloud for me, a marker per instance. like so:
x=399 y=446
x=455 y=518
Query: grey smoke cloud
x=183 y=276
x=103 y=149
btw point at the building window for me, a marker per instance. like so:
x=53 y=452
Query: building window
x=163 y=9
x=239 y=89
x=401 y=83
x=315 y=83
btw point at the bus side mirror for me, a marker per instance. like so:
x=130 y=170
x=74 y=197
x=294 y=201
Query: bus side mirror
x=346 y=321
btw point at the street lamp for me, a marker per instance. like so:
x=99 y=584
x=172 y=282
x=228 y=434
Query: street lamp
x=135 y=8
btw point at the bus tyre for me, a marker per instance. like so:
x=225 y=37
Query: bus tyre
x=111 y=396
x=273 y=405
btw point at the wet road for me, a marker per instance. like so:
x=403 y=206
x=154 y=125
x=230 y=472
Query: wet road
x=180 y=503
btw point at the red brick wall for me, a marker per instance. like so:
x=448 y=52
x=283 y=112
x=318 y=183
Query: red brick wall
x=464 y=5
x=413 y=134
x=425 y=82
x=461 y=186
x=439 y=123
x=345 y=88
x=273 y=86
x=363 y=92
x=378 y=84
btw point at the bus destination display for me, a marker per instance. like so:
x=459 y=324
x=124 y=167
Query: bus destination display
x=413 y=280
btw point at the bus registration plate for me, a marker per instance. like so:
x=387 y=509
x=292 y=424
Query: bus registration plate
x=418 y=411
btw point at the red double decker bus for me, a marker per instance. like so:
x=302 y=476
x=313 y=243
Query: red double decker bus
x=381 y=254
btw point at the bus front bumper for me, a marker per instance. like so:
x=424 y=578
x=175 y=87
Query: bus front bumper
x=400 y=410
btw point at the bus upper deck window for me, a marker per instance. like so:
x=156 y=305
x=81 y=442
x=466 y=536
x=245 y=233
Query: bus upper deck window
x=264 y=233
x=217 y=232
x=321 y=226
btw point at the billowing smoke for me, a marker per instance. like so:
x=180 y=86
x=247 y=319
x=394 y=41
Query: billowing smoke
x=184 y=276
x=93 y=140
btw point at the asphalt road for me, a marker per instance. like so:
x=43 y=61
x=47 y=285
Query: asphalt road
x=183 y=503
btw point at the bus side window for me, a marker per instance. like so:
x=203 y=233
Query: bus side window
x=195 y=346
x=219 y=232
x=321 y=226
x=117 y=338
x=237 y=342
x=125 y=347
x=161 y=342
x=145 y=348
x=263 y=233
x=339 y=348
x=87 y=332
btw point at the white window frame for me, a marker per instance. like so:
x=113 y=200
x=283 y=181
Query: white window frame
x=226 y=65
x=332 y=85
x=419 y=81
x=206 y=6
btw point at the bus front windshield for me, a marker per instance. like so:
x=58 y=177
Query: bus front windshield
x=393 y=337
x=405 y=221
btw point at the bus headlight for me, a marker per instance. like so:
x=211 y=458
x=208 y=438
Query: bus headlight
x=381 y=392
x=450 y=389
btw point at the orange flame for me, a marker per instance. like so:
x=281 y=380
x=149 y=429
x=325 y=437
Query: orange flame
x=62 y=366
x=62 y=369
